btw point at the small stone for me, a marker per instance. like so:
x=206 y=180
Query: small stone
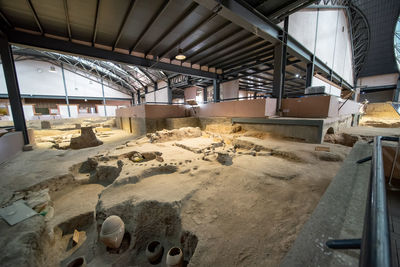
x=27 y=148
x=45 y=125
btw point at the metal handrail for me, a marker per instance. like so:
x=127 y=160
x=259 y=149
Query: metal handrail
x=375 y=244
x=375 y=241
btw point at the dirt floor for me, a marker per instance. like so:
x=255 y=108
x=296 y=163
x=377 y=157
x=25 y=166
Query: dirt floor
x=382 y=115
x=235 y=199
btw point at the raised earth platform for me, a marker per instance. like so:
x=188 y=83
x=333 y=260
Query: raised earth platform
x=305 y=129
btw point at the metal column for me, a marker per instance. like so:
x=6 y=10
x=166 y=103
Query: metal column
x=205 y=94
x=280 y=66
x=397 y=91
x=255 y=95
x=104 y=98
x=138 y=97
x=169 y=92
x=217 y=91
x=13 y=88
x=65 y=90
x=309 y=74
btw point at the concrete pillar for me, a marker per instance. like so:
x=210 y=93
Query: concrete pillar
x=14 y=96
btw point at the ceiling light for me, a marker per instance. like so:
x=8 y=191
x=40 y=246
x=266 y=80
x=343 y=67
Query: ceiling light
x=180 y=55
x=297 y=75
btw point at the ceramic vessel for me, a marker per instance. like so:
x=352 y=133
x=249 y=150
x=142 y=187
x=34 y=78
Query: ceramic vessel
x=154 y=251
x=78 y=262
x=112 y=231
x=174 y=257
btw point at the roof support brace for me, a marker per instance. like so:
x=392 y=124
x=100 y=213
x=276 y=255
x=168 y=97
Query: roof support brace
x=13 y=88
x=23 y=38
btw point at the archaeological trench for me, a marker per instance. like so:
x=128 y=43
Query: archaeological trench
x=218 y=196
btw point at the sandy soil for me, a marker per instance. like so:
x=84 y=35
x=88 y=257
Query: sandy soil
x=245 y=211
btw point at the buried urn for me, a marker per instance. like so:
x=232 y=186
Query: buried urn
x=112 y=231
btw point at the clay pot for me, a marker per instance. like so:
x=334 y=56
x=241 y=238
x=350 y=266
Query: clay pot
x=154 y=251
x=174 y=257
x=112 y=231
x=78 y=262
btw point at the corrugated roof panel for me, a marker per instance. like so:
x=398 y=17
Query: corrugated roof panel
x=175 y=9
x=52 y=16
x=110 y=17
x=19 y=14
x=198 y=15
x=141 y=15
x=82 y=18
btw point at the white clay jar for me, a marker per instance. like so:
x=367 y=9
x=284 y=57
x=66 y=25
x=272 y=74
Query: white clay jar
x=174 y=257
x=112 y=231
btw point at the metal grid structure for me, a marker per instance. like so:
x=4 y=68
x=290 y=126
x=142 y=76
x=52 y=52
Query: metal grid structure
x=382 y=17
x=121 y=77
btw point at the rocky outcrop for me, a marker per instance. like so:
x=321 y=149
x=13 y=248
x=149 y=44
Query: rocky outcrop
x=175 y=134
x=87 y=139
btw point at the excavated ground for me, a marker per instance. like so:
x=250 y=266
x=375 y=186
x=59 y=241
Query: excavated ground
x=225 y=199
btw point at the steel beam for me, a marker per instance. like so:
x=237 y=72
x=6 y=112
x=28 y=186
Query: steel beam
x=6 y=20
x=227 y=49
x=169 y=92
x=121 y=28
x=95 y=23
x=189 y=33
x=147 y=75
x=237 y=52
x=280 y=67
x=66 y=89
x=38 y=41
x=149 y=24
x=205 y=37
x=216 y=90
x=67 y=19
x=13 y=88
x=35 y=16
x=309 y=74
x=183 y=16
x=397 y=91
x=104 y=99
x=138 y=97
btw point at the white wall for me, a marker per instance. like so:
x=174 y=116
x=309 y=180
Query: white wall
x=160 y=95
x=378 y=80
x=64 y=111
x=333 y=44
x=34 y=78
x=229 y=89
